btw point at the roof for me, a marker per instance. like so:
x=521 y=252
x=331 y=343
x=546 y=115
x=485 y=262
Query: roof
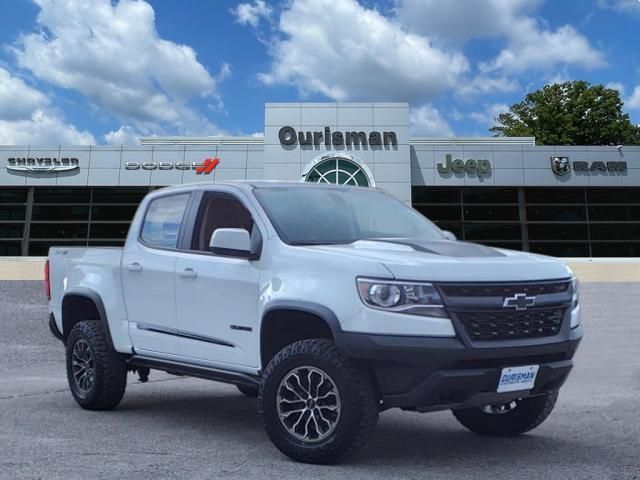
x=249 y=184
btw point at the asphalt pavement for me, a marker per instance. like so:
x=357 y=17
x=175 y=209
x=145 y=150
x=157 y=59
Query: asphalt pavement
x=174 y=427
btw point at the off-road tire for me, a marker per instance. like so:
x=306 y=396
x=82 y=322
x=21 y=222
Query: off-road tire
x=249 y=390
x=109 y=368
x=358 y=397
x=527 y=415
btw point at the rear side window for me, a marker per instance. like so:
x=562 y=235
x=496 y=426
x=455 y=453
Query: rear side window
x=162 y=222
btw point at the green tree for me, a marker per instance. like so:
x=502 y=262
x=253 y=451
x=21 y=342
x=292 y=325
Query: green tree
x=570 y=113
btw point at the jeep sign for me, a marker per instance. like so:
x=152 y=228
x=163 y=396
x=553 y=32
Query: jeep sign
x=470 y=166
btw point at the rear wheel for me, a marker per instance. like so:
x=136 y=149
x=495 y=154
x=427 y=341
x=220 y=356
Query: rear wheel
x=508 y=419
x=97 y=375
x=316 y=405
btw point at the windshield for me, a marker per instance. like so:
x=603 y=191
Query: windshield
x=318 y=216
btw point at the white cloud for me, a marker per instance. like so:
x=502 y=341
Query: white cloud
x=490 y=114
x=616 y=86
x=427 y=121
x=484 y=84
x=346 y=51
x=530 y=44
x=26 y=117
x=17 y=99
x=251 y=14
x=125 y=135
x=532 y=48
x=559 y=77
x=462 y=20
x=624 y=6
x=633 y=102
x=44 y=129
x=112 y=54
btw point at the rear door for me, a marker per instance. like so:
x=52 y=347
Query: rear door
x=148 y=278
x=217 y=296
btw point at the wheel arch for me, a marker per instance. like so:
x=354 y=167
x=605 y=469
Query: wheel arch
x=80 y=304
x=286 y=321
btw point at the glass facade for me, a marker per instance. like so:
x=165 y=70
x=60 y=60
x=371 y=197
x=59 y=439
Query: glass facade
x=564 y=222
x=33 y=219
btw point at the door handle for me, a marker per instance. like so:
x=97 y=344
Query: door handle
x=134 y=267
x=188 y=273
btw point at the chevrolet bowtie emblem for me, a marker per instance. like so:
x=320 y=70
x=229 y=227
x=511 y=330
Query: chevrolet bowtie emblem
x=519 y=301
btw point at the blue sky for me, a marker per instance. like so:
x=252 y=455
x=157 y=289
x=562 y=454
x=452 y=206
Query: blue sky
x=100 y=71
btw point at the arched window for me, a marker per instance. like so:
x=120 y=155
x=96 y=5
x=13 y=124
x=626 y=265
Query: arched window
x=338 y=170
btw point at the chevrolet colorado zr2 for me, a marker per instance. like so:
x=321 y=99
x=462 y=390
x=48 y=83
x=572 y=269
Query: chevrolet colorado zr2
x=329 y=303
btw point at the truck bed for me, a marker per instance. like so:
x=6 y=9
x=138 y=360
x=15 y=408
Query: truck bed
x=78 y=267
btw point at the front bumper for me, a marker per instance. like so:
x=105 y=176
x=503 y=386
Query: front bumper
x=442 y=373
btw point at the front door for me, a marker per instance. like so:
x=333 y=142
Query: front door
x=217 y=296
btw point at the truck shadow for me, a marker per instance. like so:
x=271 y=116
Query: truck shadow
x=407 y=440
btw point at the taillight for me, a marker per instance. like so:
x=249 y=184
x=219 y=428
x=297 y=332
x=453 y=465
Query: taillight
x=47 y=282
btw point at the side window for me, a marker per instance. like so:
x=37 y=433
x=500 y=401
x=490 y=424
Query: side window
x=219 y=210
x=163 y=219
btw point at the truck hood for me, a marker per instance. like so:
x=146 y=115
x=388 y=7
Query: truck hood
x=451 y=261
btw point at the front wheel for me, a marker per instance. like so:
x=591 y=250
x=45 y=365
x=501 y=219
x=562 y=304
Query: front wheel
x=508 y=419
x=316 y=405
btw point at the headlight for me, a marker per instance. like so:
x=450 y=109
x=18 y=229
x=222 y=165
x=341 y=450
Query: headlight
x=575 y=288
x=403 y=297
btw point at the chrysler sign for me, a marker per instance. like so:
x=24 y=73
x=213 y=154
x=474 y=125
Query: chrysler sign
x=42 y=164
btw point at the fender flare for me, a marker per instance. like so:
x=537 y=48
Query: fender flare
x=316 y=309
x=94 y=298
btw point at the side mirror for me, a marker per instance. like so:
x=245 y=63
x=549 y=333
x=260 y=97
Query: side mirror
x=449 y=235
x=231 y=242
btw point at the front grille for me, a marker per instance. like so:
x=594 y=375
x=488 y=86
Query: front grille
x=501 y=325
x=497 y=290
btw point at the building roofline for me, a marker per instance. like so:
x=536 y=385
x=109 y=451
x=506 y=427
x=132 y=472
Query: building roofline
x=413 y=141
x=202 y=141
x=472 y=141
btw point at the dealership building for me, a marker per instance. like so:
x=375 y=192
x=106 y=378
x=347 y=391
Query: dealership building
x=568 y=201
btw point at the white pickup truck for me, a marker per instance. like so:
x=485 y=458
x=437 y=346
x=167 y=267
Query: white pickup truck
x=329 y=303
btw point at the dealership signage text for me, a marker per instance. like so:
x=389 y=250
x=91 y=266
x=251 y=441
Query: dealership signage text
x=562 y=166
x=288 y=136
x=42 y=164
x=167 y=166
x=470 y=166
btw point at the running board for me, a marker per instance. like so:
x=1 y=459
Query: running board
x=179 y=368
